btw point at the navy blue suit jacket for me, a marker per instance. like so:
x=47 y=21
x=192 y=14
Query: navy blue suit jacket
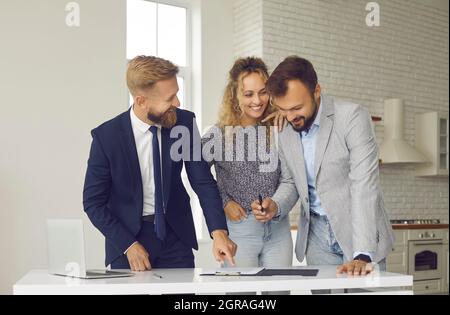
x=113 y=196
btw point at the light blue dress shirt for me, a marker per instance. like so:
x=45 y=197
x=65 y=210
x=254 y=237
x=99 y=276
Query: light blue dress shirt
x=309 y=139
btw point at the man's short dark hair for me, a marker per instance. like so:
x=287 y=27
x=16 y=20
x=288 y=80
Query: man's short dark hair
x=292 y=68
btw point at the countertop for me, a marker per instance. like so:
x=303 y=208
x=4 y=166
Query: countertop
x=419 y=226
x=407 y=226
x=181 y=281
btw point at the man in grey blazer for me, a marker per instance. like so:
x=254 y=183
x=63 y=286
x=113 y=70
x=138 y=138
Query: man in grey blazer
x=329 y=160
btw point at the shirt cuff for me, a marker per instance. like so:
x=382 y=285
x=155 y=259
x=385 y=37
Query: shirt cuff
x=370 y=254
x=228 y=234
x=130 y=247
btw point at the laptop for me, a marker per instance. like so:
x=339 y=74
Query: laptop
x=66 y=252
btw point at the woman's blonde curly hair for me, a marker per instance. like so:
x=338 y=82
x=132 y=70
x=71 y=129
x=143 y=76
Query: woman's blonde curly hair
x=231 y=112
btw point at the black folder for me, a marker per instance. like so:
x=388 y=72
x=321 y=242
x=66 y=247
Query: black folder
x=268 y=272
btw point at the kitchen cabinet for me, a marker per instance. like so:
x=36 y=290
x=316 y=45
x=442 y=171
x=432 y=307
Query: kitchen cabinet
x=432 y=134
x=427 y=287
x=397 y=261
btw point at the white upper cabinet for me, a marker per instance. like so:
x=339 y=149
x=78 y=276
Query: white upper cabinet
x=432 y=133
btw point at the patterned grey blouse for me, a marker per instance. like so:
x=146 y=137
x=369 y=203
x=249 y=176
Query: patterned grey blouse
x=245 y=167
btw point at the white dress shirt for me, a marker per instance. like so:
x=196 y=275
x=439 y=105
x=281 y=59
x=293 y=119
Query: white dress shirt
x=143 y=139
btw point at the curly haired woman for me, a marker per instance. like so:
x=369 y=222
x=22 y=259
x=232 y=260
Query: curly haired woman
x=243 y=153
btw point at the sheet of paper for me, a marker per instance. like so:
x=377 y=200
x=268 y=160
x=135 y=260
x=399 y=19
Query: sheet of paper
x=232 y=271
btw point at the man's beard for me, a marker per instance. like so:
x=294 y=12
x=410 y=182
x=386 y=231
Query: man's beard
x=166 y=120
x=307 y=121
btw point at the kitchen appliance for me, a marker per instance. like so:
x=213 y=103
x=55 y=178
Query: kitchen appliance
x=394 y=149
x=426 y=254
x=425 y=248
x=416 y=221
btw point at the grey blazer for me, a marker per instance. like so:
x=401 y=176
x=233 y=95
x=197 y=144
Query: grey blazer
x=347 y=181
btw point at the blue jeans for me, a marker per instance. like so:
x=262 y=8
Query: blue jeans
x=323 y=248
x=261 y=244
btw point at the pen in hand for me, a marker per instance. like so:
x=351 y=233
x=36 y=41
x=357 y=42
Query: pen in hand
x=260 y=202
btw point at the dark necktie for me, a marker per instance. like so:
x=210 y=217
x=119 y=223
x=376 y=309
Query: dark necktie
x=160 y=223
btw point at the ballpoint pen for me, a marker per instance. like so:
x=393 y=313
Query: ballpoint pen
x=157 y=276
x=260 y=202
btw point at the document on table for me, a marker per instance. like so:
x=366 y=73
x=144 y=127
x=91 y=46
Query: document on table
x=232 y=272
x=260 y=272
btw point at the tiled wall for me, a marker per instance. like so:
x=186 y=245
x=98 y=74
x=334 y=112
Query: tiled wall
x=405 y=57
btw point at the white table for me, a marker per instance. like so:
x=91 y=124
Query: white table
x=178 y=281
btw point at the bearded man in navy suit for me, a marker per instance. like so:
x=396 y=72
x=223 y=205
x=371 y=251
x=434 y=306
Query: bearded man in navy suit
x=133 y=191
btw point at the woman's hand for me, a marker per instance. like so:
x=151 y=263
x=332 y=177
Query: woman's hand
x=266 y=211
x=234 y=211
x=278 y=120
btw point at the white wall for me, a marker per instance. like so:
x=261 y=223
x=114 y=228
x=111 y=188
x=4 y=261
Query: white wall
x=248 y=28
x=406 y=57
x=56 y=84
x=217 y=55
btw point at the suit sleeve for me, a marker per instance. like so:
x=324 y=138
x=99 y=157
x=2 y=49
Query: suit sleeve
x=204 y=185
x=364 y=180
x=286 y=195
x=96 y=193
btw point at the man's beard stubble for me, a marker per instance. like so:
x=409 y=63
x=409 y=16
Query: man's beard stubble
x=166 y=120
x=308 y=122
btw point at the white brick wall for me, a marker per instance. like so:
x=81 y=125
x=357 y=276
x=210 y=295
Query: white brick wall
x=406 y=57
x=248 y=28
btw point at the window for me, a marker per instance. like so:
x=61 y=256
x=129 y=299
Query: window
x=162 y=30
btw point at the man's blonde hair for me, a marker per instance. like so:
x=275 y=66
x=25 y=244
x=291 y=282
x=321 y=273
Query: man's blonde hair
x=145 y=71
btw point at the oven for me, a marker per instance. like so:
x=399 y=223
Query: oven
x=426 y=254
